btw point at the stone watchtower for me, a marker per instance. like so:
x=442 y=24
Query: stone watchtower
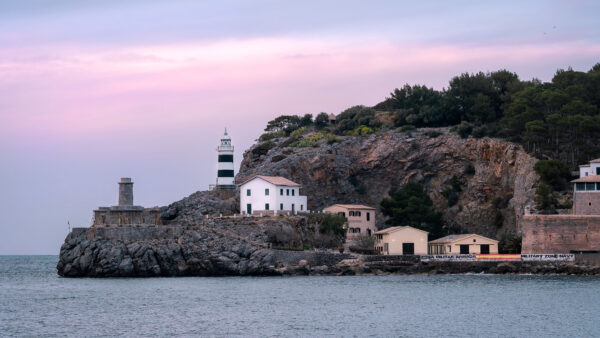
x=125 y=192
x=125 y=213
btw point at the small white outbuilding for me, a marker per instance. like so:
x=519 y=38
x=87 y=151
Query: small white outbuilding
x=271 y=195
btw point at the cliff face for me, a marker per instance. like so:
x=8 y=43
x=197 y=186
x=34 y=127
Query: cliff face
x=491 y=200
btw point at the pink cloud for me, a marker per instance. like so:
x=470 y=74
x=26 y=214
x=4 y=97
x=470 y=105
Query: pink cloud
x=73 y=93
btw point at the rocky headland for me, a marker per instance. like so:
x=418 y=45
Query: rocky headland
x=496 y=178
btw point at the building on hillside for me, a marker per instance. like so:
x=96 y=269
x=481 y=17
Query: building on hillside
x=271 y=195
x=225 y=170
x=401 y=240
x=360 y=219
x=463 y=244
x=125 y=213
x=586 y=189
x=331 y=118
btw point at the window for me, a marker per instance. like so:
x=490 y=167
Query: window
x=293 y=192
x=266 y=206
x=248 y=192
x=281 y=206
x=341 y=213
x=287 y=192
x=267 y=192
x=351 y=213
x=590 y=186
x=301 y=206
x=474 y=240
x=580 y=186
x=357 y=213
x=281 y=192
x=597 y=170
x=449 y=248
x=368 y=216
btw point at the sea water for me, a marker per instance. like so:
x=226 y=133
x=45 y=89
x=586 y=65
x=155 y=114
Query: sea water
x=35 y=301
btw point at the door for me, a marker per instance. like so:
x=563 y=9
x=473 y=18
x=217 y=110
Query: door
x=464 y=249
x=485 y=249
x=293 y=208
x=408 y=248
x=249 y=209
x=386 y=248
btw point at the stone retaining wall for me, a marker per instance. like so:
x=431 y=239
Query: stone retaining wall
x=560 y=233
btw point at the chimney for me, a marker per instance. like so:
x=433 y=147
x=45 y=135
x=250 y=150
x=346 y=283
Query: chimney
x=125 y=192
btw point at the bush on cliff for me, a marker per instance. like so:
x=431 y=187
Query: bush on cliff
x=411 y=205
x=329 y=224
x=554 y=173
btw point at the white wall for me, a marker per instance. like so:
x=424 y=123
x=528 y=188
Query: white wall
x=258 y=199
x=591 y=170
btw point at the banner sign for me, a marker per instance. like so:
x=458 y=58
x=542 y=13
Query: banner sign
x=548 y=257
x=498 y=257
x=448 y=258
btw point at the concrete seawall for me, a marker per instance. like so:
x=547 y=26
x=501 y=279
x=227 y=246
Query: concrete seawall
x=560 y=233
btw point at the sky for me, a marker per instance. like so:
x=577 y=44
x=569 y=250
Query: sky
x=91 y=91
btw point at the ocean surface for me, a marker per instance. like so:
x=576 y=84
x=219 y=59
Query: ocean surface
x=35 y=301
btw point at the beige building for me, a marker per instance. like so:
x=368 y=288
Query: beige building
x=360 y=219
x=401 y=240
x=463 y=244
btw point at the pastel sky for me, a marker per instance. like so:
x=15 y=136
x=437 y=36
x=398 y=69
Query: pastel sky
x=91 y=91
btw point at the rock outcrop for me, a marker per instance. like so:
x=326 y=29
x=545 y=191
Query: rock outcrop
x=497 y=177
x=216 y=246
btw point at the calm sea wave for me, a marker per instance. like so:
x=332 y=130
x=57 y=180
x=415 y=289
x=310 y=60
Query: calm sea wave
x=34 y=301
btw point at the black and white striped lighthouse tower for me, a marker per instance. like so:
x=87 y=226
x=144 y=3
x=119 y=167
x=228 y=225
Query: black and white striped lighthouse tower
x=225 y=177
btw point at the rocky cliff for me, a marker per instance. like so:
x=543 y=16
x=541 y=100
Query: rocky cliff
x=218 y=246
x=496 y=177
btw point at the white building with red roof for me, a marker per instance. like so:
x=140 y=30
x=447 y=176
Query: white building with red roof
x=271 y=195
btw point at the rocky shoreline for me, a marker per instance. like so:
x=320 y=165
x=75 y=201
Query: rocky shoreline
x=150 y=251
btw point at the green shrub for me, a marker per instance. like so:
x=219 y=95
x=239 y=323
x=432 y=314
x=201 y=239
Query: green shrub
x=407 y=128
x=329 y=224
x=480 y=131
x=510 y=243
x=433 y=134
x=278 y=158
x=321 y=121
x=299 y=132
x=554 y=173
x=331 y=139
x=263 y=148
x=309 y=141
x=451 y=196
x=464 y=129
x=361 y=130
x=270 y=136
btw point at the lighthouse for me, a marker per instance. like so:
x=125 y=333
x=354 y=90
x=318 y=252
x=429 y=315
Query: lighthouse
x=225 y=177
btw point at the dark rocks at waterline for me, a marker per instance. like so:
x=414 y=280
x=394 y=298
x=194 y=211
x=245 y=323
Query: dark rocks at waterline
x=161 y=251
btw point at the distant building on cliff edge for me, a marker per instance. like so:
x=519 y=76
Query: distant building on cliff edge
x=271 y=195
x=586 y=194
x=225 y=174
x=125 y=213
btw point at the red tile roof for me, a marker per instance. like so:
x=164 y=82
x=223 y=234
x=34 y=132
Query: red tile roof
x=352 y=206
x=454 y=238
x=276 y=180
x=587 y=179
